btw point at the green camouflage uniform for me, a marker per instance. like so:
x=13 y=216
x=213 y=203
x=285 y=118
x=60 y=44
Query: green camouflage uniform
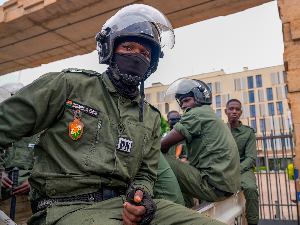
x=114 y=150
x=245 y=139
x=213 y=156
x=19 y=155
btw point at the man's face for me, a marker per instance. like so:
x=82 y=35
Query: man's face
x=187 y=102
x=173 y=116
x=132 y=47
x=233 y=111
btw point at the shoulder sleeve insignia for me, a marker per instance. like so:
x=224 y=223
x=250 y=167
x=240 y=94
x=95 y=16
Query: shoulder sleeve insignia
x=83 y=108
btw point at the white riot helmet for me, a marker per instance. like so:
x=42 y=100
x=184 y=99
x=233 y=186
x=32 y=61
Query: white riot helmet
x=137 y=20
x=189 y=88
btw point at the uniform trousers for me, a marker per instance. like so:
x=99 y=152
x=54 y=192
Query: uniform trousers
x=166 y=186
x=109 y=212
x=248 y=183
x=192 y=181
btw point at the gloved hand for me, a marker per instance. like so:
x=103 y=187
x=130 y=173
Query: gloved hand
x=145 y=201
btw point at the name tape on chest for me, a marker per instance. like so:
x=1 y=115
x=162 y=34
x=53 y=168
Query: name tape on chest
x=124 y=145
x=83 y=108
x=31 y=145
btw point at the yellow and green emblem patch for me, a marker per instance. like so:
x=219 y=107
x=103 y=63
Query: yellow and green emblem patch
x=76 y=127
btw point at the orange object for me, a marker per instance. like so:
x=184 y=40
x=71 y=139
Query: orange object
x=137 y=198
x=178 y=151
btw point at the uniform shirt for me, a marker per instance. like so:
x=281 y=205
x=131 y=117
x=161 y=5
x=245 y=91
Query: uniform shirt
x=245 y=139
x=21 y=154
x=65 y=167
x=211 y=147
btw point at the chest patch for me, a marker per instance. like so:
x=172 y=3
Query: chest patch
x=83 y=108
x=76 y=127
x=124 y=145
x=31 y=145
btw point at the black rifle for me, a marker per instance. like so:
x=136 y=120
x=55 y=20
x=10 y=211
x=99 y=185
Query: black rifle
x=15 y=176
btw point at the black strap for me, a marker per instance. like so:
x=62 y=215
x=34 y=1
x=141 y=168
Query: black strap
x=220 y=192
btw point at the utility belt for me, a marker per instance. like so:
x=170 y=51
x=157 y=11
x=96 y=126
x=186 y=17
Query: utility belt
x=220 y=192
x=101 y=195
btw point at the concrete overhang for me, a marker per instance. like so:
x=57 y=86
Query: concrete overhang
x=35 y=32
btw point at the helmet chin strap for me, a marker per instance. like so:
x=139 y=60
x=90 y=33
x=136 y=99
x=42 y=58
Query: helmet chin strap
x=141 y=103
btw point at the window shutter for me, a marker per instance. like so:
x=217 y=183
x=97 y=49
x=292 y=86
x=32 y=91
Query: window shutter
x=258 y=111
x=213 y=85
x=273 y=78
x=279 y=91
x=234 y=85
x=244 y=97
x=243 y=83
x=277 y=77
x=257 y=99
x=213 y=101
x=276 y=123
x=238 y=84
x=254 y=81
x=148 y=97
x=281 y=77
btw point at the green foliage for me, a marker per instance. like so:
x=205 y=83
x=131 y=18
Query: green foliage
x=262 y=168
x=290 y=171
x=164 y=125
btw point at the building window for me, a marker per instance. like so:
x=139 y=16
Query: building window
x=271 y=109
x=218 y=101
x=258 y=81
x=209 y=85
x=219 y=112
x=253 y=124
x=279 y=108
x=250 y=82
x=252 y=111
x=262 y=125
x=251 y=97
x=284 y=76
x=286 y=91
x=160 y=96
x=270 y=94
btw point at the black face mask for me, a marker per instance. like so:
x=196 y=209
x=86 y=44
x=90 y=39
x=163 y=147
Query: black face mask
x=133 y=64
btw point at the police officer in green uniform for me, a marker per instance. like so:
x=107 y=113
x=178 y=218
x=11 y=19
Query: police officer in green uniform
x=245 y=139
x=213 y=171
x=19 y=155
x=97 y=157
x=174 y=117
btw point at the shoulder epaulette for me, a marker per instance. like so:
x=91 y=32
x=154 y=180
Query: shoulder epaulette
x=147 y=103
x=250 y=128
x=89 y=73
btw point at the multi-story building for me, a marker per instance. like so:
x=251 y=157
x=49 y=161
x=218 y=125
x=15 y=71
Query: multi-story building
x=262 y=93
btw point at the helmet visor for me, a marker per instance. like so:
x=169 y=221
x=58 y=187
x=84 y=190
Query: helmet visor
x=181 y=86
x=140 y=13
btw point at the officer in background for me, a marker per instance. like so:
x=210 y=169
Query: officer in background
x=97 y=157
x=213 y=170
x=178 y=150
x=19 y=155
x=245 y=139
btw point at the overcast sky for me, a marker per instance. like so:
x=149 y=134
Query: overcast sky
x=251 y=38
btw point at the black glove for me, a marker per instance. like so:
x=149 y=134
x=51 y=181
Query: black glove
x=147 y=202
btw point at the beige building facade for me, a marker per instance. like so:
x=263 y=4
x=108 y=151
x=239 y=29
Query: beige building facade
x=262 y=93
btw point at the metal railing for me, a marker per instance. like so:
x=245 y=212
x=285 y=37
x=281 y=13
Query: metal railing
x=276 y=185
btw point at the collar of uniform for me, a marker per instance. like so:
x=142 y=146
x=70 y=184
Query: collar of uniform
x=112 y=89
x=239 y=128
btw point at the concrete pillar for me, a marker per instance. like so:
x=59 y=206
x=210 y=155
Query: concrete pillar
x=290 y=16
